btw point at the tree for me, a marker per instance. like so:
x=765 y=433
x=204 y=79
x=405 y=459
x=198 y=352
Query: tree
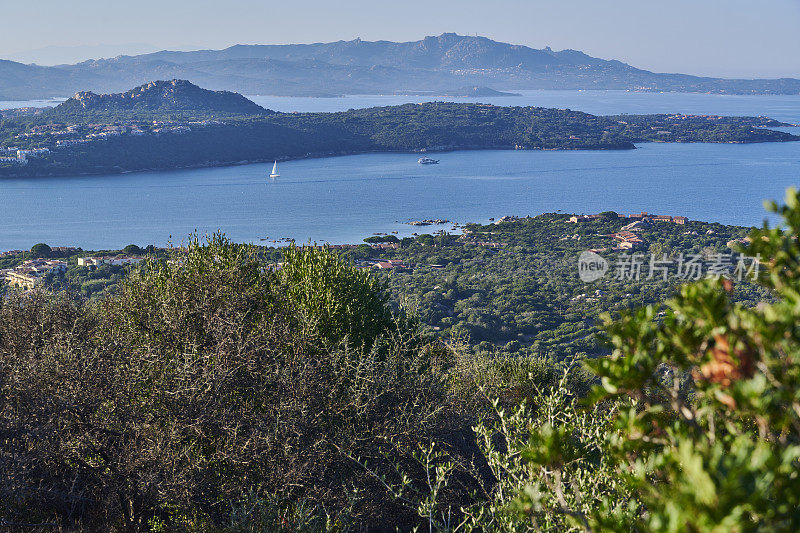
x=132 y=249
x=425 y=239
x=382 y=238
x=41 y=250
x=342 y=303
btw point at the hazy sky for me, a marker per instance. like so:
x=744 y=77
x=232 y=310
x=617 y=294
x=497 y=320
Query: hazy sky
x=712 y=37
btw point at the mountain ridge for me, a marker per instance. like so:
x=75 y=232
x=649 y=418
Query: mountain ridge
x=434 y=63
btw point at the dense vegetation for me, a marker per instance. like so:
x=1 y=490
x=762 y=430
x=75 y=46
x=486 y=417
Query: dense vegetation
x=165 y=137
x=210 y=392
x=524 y=297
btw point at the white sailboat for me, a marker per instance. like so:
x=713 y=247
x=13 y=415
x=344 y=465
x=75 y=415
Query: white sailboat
x=274 y=173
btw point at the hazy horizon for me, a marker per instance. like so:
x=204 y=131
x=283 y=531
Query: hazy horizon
x=730 y=38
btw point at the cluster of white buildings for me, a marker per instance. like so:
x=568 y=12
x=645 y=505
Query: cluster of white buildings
x=70 y=142
x=31 y=273
x=41 y=131
x=175 y=130
x=20 y=157
x=97 y=132
x=118 y=260
x=635 y=216
x=104 y=135
x=33 y=152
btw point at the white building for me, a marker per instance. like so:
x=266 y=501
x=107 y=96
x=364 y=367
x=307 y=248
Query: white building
x=24 y=154
x=108 y=260
x=31 y=273
x=70 y=142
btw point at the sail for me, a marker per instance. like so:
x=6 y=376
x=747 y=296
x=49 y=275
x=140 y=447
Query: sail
x=274 y=173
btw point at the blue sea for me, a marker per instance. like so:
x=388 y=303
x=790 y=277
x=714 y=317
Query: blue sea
x=345 y=199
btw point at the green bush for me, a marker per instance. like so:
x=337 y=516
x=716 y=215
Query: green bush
x=210 y=392
x=339 y=302
x=132 y=249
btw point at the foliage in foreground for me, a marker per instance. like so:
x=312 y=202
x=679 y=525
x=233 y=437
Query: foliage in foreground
x=211 y=393
x=708 y=434
x=694 y=425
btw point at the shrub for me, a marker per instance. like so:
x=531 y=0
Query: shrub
x=209 y=392
x=340 y=302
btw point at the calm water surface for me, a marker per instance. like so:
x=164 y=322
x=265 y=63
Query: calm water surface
x=785 y=107
x=12 y=104
x=345 y=199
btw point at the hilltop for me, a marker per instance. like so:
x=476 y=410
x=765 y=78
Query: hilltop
x=441 y=64
x=157 y=98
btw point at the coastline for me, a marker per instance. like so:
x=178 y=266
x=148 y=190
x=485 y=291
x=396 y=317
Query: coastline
x=324 y=155
x=282 y=159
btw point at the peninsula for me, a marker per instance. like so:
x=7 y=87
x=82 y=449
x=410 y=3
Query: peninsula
x=176 y=124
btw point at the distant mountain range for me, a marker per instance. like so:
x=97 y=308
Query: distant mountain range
x=440 y=64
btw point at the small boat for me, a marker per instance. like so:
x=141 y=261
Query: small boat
x=427 y=161
x=274 y=173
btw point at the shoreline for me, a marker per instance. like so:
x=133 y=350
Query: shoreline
x=111 y=171
x=214 y=164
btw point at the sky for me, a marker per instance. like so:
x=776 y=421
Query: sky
x=732 y=38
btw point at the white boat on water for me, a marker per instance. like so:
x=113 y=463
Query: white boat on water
x=274 y=173
x=427 y=161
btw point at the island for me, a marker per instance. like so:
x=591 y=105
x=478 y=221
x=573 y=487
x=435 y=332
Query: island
x=176 y=124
